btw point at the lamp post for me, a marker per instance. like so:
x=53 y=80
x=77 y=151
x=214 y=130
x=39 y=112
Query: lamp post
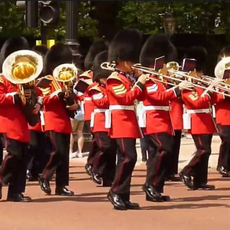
x=169 y=23
x=71 y=29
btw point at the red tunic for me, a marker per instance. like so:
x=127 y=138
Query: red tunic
x=156 y=105
x=13 y=121
x=56 y=117
x=222 y=108
x=176 y=113
x=201 y=123
x=89 y=106
x=101 y=102
x=121 y=93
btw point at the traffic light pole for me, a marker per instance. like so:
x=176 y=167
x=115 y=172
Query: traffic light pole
x=43 y=34
x=71 y=29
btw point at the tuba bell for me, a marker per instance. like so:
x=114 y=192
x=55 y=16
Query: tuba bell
x=22 y=68
x=63 y=78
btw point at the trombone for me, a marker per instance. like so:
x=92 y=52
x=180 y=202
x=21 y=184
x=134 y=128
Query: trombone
x=111 y=66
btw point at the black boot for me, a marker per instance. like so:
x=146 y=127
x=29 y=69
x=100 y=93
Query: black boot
x=45 y=186
x=96 y=178
x=130 y=205
x=18 y=198
x=116 y=201
x=223 y=171
x=186 y=180
x=204 y=187
x=151 y=194
x=63 y=191
x=88 y=169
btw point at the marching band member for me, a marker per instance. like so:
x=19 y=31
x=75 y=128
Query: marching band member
x=155 y=119
x=89 y=106
x=38 y=147
x=104 y=166
x=57 y=122
x=124 y=51
x=194 y=175
x=222 y=108
x=13 y=119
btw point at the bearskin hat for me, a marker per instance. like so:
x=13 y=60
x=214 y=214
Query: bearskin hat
x=125 y=46
x=95 y=49
x=98 y=72
x=41 y=49
x=12 y=45
x=57 y=55
x=156 y=46
x=225 y=52
x=200 y=54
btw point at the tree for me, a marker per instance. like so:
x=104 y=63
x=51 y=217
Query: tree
x=191 y=16
x=12 y=21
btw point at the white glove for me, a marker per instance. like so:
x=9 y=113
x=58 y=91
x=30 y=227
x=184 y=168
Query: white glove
x=185 y=85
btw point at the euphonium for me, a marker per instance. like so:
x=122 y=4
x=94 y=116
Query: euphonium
x=65 y=74
x=22 y=68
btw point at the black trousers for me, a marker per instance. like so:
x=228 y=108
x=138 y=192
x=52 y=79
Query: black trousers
x=1 y=148
x=13 y=169
x=173 y=166
x=160 y=147
x=105 y=159
x=40 y=148
x=59 y=159
x=144 y=146
x=224 y=156
x=198 y=166
x=127 y=157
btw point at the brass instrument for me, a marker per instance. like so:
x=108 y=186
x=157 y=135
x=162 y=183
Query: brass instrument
x=65 y=74
x=162 y=74
x=22 y=68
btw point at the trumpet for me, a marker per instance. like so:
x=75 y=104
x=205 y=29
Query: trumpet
x=65 y=74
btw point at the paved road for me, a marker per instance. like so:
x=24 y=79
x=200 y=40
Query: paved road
x=89 y=209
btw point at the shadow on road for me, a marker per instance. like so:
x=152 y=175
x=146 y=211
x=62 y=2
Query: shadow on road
x=185 y=206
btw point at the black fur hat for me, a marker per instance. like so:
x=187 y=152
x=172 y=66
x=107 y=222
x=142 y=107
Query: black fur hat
x=98 y=72
x=156 y=46
x=95 y=49
x=57 y=55
x=125 y=46
x=200 y=54
x=41 y=49
x=12 y=45
x=225 y=52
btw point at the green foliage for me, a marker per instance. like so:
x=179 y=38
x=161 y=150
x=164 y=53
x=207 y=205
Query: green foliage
x=12 y=21
x=191 y=16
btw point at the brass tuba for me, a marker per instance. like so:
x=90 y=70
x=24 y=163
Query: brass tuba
x=63 y=79
x=22 y=68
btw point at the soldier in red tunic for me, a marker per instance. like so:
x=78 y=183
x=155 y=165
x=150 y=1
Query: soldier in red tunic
x=103 y=171
x=57 y=123
x=89 y=106
x=195 y=174
x=222 y=109
x=124 y=51
x=155 y=118
x=14 y=126
x=39 y=147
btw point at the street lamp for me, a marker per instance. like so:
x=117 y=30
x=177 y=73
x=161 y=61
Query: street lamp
x=169 y=23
